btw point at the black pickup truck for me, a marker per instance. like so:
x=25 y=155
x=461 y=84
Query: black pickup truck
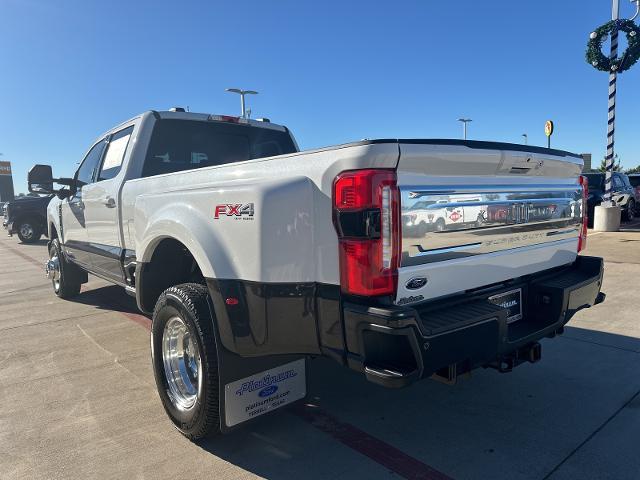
x=26 y=217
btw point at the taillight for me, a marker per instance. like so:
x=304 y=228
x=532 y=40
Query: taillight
x=582 y=239
x=366 y=213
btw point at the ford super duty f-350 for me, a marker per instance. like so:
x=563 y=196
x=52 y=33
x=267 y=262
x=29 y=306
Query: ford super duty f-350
x=252 y=256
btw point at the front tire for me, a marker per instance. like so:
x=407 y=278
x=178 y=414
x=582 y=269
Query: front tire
x=28 y=232
x=185 y=361
x=66 y=277
x=630 y=211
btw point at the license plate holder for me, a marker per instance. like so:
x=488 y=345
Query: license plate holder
x=510 y=301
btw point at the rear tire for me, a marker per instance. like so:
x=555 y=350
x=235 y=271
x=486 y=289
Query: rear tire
x=185 y=361
x=66 y=278
x=29 y=232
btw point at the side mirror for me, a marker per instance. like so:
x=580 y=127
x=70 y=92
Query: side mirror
x=40 y=179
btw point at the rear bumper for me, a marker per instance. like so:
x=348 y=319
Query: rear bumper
x=398 y=345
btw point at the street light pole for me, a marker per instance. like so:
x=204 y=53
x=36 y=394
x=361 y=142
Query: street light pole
x=242 y=93
x=464 y=123
x=526 y=138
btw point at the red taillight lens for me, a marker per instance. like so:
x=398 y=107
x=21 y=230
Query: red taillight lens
x=366 y=213
x=582 y=239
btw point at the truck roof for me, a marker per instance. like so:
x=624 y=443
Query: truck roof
x=166 y=114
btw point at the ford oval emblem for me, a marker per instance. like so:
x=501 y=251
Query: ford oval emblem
x=266 y=391
x=416 y=283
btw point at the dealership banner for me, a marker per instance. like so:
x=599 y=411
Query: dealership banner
x=6 y=182
x=5 y=168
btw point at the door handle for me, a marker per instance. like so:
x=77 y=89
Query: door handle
x=109 y=202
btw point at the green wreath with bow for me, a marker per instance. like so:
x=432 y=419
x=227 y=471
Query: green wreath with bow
x=625 y=61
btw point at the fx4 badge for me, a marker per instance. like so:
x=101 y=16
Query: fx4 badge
x=236 y=210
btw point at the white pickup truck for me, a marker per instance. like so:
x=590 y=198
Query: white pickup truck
x=253 y=257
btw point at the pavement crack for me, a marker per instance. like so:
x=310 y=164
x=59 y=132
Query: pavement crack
x=6 y=358
x=96 y=343
x=565 y=337
x=115 y=357
x=621 y=263
x=47 y=322
x=593 y=434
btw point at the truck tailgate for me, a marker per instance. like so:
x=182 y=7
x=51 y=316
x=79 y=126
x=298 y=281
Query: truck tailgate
x=478 y=213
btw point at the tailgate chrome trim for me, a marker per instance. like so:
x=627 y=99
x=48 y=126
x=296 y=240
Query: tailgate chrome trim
x=438 y=225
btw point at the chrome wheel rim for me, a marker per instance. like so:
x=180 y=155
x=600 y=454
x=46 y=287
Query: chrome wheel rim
x=52 y=269
x=26 y=230
x=182 y=364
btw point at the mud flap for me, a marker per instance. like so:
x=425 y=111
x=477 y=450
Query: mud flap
x=253 y=386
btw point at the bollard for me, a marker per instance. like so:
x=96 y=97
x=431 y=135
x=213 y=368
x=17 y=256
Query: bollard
x=606 y=219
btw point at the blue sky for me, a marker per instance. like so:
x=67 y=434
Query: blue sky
x=332 y=71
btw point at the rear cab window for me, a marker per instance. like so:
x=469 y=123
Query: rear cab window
x=178 y=145
x=596 y=180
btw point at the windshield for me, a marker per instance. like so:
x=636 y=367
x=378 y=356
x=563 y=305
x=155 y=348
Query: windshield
x=187 y=144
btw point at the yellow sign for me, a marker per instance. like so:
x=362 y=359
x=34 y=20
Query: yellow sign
x=548 y=128
x=5 y=168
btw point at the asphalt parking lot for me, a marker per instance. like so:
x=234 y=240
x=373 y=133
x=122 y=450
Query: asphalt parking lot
x=78 y=399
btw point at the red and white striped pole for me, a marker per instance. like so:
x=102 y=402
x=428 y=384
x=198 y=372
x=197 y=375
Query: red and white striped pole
x=611 y=124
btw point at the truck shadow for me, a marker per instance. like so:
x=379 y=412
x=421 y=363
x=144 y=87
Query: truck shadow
x=110 y=297
x=490 y=423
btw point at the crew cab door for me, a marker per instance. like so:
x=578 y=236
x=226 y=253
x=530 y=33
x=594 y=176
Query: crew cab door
x=101 y=209
x=74 y=226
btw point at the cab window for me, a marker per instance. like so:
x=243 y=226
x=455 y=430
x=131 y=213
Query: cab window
x=114 y=154
x=187 y=144
x=87 y=170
